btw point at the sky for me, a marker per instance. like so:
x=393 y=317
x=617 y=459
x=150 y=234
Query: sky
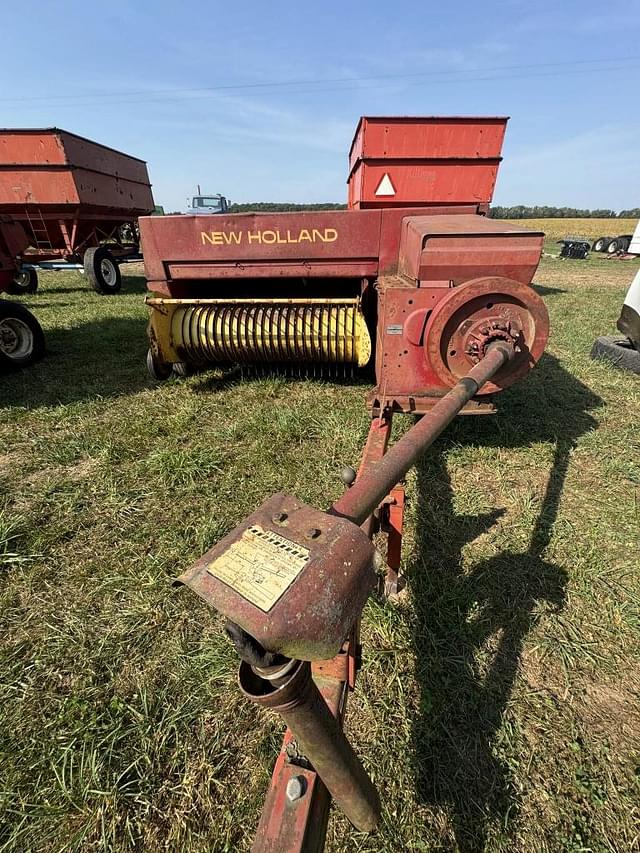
x=259 y=100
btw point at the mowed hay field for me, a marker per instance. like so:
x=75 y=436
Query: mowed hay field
x=556 y=229
x=498 y=707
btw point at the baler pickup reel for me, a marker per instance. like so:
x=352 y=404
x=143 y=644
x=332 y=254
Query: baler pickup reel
x=413 y=280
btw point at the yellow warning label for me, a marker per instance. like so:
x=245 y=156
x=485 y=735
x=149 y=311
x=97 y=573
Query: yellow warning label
x=260 y=566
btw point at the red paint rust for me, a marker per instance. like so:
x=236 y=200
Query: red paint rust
x=366 y=493
x=445 y=160
x=394 y=525
x=320 y=737
x=432 y=272
x=491 y=300
x=314 y=615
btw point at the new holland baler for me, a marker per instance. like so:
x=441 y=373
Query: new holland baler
x=412 y=282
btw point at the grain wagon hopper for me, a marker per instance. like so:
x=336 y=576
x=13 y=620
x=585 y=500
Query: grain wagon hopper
x=412 y=283
x=77 y=201
x=21 y=338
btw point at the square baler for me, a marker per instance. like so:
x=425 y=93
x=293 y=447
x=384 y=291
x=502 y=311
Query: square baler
x=412 y=282
x=364 y=287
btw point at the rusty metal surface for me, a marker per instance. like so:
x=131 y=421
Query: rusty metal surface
x=398 y=161
x=68 y=192
x=460 y=248
x=417 y=182
x=366 y=493
x=341 y=244
x=423 y=335
x=215 y=245
x=412 y=404
x=52 y=168
x=469 y=317
x=401 y=368
x=299 y=825
x=320 y=738
x=429 y=333
x=314 y=613
x=393 y=524
x=417 y=137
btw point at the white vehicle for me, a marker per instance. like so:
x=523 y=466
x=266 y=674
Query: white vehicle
x=207 y=203
x=624 y=350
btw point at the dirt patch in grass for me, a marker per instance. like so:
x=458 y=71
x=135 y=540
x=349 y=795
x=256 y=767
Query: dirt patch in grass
x=613 y=709
x=12 y=462
x=72 y=473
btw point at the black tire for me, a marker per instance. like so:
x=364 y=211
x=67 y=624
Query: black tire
x=624 y=243
x=25 y=281
x=158 y=370
x=102 y=271
x=21 y=336
x=613 y=246
x=619 y=351
x=600 y=243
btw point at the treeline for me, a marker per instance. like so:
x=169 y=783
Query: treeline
x=281 y=207
x=521 y=211
x=518 y=211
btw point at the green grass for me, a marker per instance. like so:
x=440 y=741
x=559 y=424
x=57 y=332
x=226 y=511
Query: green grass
x=498 y=705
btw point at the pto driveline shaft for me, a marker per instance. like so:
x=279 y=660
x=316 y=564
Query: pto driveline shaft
x=320 y=737
x=359 y=501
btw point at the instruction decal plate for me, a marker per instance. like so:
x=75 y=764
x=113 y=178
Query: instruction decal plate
x=261 y=565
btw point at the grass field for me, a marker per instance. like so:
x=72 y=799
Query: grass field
x=498 y=707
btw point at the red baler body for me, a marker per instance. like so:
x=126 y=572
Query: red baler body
x=398 y=255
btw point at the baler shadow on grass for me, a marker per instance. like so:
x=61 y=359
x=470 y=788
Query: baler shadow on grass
x=471 y=626
x=544 y=290
x=101 y=358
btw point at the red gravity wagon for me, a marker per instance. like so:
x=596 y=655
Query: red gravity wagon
x=77 y=201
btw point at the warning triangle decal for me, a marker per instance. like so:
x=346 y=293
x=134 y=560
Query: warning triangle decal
x=385 y=187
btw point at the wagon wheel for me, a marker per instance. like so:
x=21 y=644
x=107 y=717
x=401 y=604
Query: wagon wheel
x=21 y=337
x=24 y=281
x=102 y=270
